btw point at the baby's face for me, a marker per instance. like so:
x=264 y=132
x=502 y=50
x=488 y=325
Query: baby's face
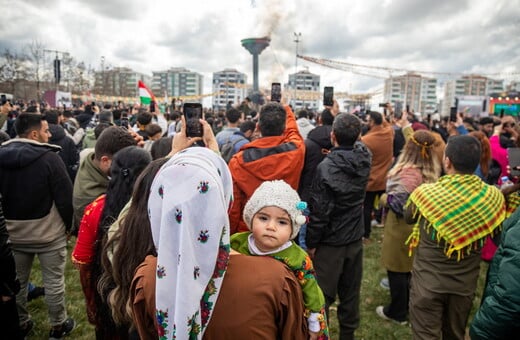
x=272 y=227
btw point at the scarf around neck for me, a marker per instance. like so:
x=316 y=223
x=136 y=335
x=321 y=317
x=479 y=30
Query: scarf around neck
x=188 y=208
x=461 y=210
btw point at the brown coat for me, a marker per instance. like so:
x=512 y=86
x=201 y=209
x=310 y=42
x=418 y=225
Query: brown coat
x=380 y=141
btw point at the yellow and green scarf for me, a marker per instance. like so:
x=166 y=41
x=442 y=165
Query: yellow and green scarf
x=459 y=209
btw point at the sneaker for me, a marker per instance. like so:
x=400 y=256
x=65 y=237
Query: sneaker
x=60 y=331
x=35 y=293
x=384 y=283
x=26 y=328
x=381 y=313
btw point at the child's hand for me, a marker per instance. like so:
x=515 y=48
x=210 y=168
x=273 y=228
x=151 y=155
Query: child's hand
x=313 y=335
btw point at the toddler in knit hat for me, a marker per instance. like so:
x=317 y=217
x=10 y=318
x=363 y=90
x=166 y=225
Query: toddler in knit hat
x=273 y=215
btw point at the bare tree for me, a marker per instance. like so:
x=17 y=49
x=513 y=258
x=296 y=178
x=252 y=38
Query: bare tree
x=35 y=53
x=11 y=68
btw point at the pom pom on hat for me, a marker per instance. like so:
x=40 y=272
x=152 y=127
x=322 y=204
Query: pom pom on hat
x=276 y=194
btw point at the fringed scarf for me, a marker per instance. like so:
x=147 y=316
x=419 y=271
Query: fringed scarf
x=459 y=209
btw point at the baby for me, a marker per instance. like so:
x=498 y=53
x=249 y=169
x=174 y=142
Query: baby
x=274 y=216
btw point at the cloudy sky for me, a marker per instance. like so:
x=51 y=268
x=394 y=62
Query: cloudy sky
x=480 y=36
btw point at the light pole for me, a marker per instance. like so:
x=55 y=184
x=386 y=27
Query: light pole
x=102 y=74
x=297 y=37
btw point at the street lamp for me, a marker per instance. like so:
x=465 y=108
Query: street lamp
x=297 y=37
x=102 y=74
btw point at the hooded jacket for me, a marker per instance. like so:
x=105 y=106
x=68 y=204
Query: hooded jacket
x=36 y=190
x=304 y=126
x=265 y=159
x=90 y=183
x=69 y=153
x=337 y=196
x=317 y=145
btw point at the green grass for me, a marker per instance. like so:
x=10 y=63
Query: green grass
x=372 y=295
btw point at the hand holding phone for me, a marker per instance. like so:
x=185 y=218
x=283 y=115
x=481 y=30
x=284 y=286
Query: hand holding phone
x=453 y=114
x=193 y=113
x=276 y=92
x=328 y=96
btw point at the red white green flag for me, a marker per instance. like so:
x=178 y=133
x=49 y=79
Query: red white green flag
x=145 y=94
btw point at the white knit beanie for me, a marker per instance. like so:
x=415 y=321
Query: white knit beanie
x=276 y=194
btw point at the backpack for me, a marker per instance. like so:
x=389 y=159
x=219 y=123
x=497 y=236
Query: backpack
x=228 y=148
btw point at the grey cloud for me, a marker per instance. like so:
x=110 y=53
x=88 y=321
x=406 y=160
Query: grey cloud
x=117 y=9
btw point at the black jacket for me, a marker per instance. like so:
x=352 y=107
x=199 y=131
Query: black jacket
x=9 y=284
x=337 y=196
x=69 y=152
x=32 y=178
x=317 y=144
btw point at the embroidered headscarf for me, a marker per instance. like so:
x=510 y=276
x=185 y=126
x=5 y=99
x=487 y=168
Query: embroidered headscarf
x=188 y=208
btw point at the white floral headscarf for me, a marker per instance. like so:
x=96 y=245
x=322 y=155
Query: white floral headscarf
x=188 y=209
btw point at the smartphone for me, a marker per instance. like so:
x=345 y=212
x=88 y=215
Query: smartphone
x=152 y=106
x=193 y=112
x=124 y=120
x=453 y=114
x=398 y=111
x=276 y=92
x=513 y=155
x=328 y=96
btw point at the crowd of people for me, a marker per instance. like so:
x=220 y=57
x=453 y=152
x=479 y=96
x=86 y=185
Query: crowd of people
x=257 y=228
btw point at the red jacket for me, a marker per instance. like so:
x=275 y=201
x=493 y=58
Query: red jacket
x=265 y=159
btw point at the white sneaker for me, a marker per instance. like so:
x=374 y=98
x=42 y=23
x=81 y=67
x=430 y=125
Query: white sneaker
x=381 y=313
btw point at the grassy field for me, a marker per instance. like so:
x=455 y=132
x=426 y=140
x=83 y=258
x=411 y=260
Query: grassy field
x=372 y=295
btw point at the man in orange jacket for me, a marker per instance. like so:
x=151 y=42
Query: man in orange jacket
x=278 y=154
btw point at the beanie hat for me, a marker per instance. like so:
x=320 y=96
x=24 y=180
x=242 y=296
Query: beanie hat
x=276 y=194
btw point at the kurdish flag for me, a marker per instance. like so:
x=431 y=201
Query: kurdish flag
x=145 y=94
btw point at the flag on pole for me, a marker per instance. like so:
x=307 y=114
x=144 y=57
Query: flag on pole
x=145 y=94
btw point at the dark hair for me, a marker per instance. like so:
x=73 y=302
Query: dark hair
x=376 y=117
x=303 y=114
x=326 y=117
x=346 y=128
x=152 y=129
x=272 y=120
x=27 y=122
x=144 y=118
x=233 y=115
x=132 y=242
x=175 y=115
x=161 y=147
x=126 y=166
x=464 y=153
x=52 y=117
x=248 y=125
x=67 y=114
x=111 y=140
x=106 y=117
x=100 y=128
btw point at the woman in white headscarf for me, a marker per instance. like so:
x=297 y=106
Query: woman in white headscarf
x=188 y=209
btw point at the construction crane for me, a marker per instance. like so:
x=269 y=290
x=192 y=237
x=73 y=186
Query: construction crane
x=383 y=72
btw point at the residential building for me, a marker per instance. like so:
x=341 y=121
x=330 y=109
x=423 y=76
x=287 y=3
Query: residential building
x=118 y=81
x=230 y=86
x=177 y=82
x=307 y=83
x=412 y=90
x=470 y=85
